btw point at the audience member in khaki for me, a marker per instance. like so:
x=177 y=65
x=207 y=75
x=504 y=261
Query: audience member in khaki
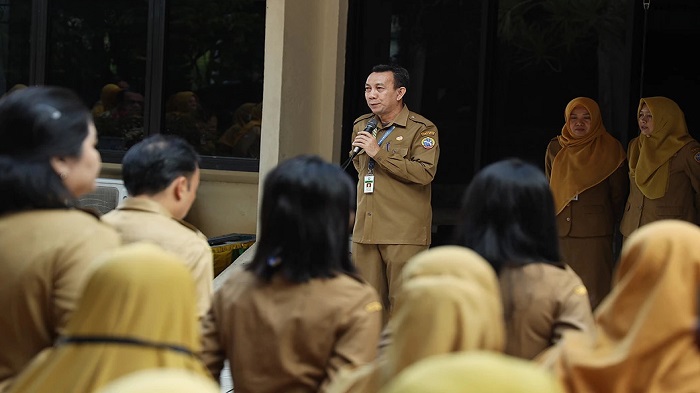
x=645 y=327
x=137 y=312
x=586 y=170
x=161 y=174
x=450 y=303
x=47 y=160
x=474 y=371
x=298 y=312
x=515 y=230
x=449 y=261
x=664 y=167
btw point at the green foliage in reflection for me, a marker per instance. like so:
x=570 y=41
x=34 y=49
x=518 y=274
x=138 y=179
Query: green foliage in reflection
x=550 y=32
x=215 y=41
x=206 y=42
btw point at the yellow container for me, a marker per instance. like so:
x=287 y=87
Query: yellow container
x=227 y=248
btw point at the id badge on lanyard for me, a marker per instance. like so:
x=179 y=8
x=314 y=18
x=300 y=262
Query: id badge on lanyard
x=369 y=184
x=369 y=178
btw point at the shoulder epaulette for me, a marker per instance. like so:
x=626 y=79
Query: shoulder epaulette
x=363 y=117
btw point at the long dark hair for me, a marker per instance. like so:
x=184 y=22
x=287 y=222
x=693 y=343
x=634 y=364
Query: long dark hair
x=305 y=213
x=36 y=124
x=507 y=215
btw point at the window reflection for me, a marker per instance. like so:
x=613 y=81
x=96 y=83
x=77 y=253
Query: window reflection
x=213 y=64
x=213 y=67
x=99 y=50
x=118 y=116
x=14 y=48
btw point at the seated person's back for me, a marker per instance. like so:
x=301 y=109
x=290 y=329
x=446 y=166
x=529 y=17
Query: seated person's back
x=47 y=160
x=515 y=230
x=136 y=312
x=298 y=312
x=161 y=174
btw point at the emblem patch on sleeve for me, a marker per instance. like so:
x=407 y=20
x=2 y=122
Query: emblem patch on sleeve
x=428 y=142
x=697 y=157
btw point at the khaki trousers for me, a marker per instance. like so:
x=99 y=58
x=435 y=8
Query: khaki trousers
x=381 y=265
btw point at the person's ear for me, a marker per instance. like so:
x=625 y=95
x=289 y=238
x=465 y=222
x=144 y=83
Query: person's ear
x=400 y=93
x=182 y=185
x=60 y=166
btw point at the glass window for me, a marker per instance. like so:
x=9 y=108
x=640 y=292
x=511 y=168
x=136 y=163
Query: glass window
x=14 y=48
x=99 y=50
x=212 y=85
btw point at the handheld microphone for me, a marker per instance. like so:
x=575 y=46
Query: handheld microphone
x=372 y=124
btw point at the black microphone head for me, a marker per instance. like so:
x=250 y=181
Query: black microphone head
x=371 y=124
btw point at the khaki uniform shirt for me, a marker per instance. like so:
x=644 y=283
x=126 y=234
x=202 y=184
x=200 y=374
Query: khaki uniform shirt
x=399 y=210
x=286 y=337
x=45 y=257
x=682 y=196
x=142 y=219
x=597 y=210
x=541 y=301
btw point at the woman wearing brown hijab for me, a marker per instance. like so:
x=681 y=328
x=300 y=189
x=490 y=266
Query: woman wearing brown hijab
x=586 y=171
x=664 y=167
x=645 y=327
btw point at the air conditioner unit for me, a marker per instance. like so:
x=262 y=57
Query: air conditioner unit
x=106 y=197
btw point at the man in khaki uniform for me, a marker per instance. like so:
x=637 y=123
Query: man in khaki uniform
x=161 y=175
x=396 y=167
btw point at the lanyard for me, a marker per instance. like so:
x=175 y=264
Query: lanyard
x=370 y=166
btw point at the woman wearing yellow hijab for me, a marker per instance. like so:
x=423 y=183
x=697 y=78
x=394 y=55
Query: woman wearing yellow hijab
x=645 y=328
x=586 y=171
x=664 y=167
x=137 y=311
x=162 y=380
x=449 y=302
x=474 y=371
x=451 y=261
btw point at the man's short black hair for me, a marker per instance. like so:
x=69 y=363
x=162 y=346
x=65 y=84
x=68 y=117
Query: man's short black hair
x=152 y=164
x=401 y=77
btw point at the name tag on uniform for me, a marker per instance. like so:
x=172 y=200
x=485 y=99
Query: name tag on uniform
x=369 y=184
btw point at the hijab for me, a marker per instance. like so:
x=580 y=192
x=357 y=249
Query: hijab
x=474 y=371
x=649 y=155
x=162 y=380
x=180 y=102
x=645 y=327
x=451 y=260
x=137 y=311
x=449 y=302
x=584 y=161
